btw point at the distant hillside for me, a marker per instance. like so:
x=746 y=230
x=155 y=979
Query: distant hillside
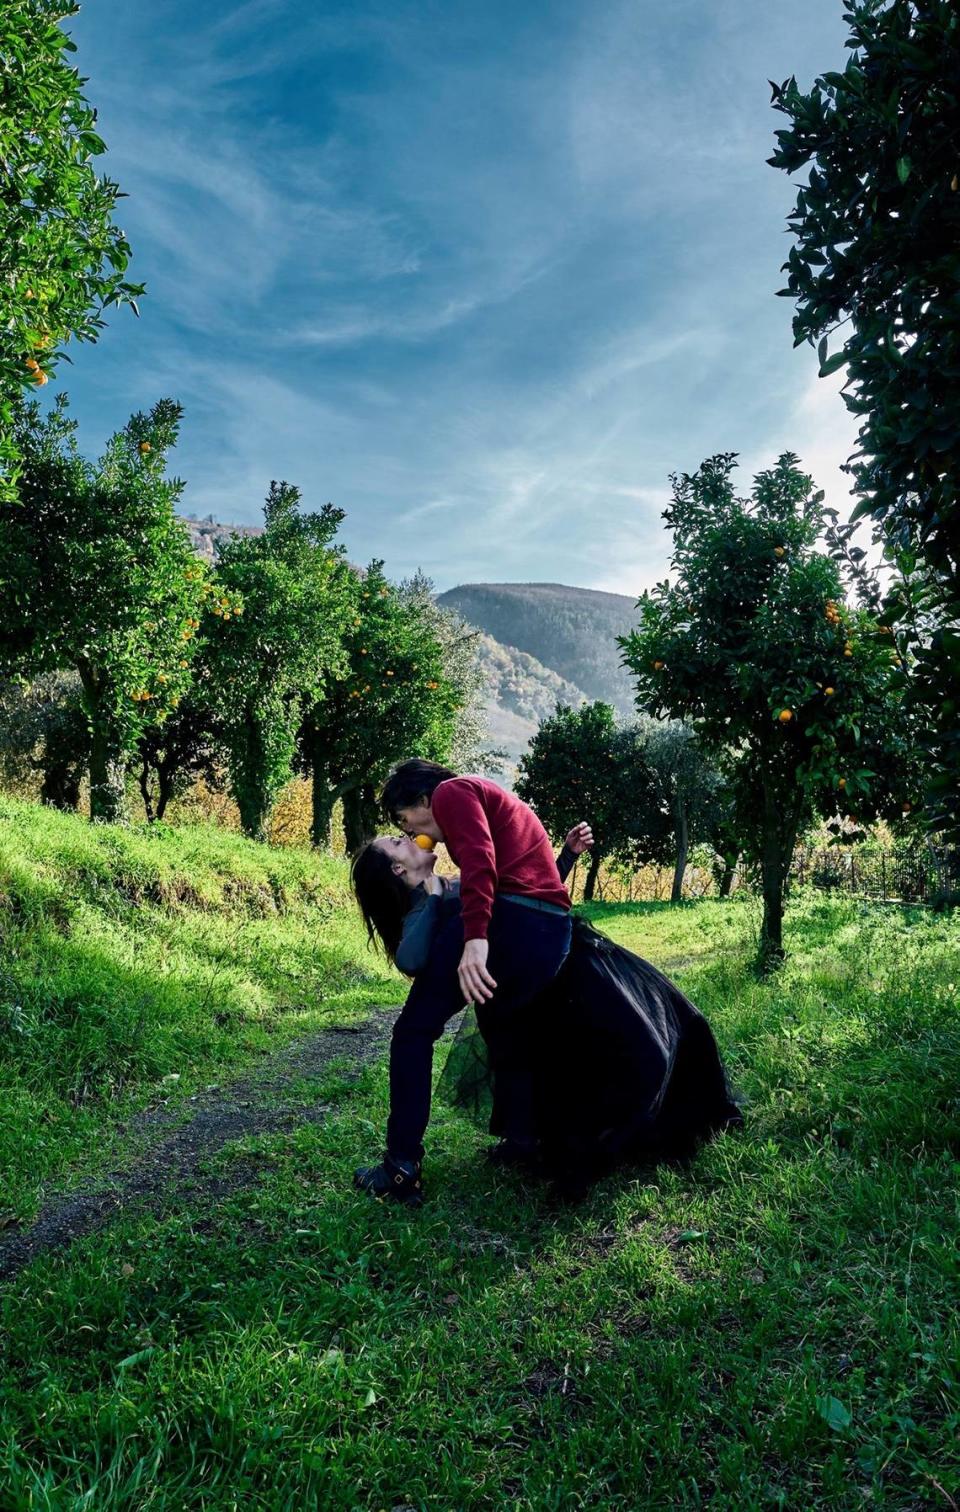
x=208 y=535
x=571 y=631
x=520 y=692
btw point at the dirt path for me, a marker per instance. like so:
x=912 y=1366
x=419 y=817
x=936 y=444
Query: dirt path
x=176 y=1150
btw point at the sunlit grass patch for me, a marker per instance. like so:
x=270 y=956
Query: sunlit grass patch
x=135 y=955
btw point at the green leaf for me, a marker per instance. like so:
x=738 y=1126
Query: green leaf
x=833 y=1412
x=135 y=1359
x=832 y=364
x=904 y=166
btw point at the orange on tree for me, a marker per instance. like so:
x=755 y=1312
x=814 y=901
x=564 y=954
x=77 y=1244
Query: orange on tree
x=735 y=637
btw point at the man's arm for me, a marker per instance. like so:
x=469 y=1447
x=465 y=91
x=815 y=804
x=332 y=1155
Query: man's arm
x=463 y=819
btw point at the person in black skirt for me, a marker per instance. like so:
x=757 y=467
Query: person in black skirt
x=627 y=1069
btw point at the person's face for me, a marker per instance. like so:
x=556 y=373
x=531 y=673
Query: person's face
x=418 y=820
x=407 y=860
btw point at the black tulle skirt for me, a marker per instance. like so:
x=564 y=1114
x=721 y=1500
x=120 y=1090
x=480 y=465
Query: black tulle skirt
x=626 y=1068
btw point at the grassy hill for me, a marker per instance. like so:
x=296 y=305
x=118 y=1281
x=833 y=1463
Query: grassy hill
x=571 y=631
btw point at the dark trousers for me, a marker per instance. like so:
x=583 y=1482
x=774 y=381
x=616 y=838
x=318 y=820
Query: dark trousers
x=527 y=949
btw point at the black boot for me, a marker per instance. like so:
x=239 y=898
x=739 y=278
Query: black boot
x=396 y=1179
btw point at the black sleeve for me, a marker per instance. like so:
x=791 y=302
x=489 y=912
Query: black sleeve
x=566 y=861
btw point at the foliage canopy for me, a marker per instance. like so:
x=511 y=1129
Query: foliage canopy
x=877 y=254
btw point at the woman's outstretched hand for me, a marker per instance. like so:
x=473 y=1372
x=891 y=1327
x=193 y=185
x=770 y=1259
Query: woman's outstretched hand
x=580 y=839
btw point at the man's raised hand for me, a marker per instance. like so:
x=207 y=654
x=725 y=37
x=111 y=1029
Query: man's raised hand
x=476 y=983
x=580 y=839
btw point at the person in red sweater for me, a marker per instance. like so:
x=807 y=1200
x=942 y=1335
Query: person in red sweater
x=508 y=943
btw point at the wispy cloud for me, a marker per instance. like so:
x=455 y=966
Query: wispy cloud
x=483 y=276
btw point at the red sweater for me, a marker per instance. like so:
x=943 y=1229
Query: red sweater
x=499 y=845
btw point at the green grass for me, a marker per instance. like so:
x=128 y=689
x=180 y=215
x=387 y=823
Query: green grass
x=128 y=956
x=774 y=1326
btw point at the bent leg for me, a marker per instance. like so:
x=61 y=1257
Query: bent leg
x=434 y=998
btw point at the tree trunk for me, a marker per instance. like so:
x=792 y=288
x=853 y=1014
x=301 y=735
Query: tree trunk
x=61 y=786
x=166 y=782
x=107 y=764
x=248 y=778
x=727 y=875
x=779 y=838
x=359 y=818
x=591 y=878
x=683 y=847
x=254 y=805
x=145 y=792
x=323 y=798
x=107 y=776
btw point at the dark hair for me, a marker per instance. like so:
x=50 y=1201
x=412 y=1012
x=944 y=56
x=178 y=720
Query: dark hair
x=384 y=898
x=412 y=780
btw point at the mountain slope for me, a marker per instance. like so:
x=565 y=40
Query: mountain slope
x=520 y=691
x=571 y=631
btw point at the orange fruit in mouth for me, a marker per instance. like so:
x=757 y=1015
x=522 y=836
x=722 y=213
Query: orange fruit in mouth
x=425 y=842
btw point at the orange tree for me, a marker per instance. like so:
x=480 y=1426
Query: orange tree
x=582 y=765
x=97 y=574
x=265 y=668
x=61 y=258
x=394 y=698
x=877 y=259
x=800 y=697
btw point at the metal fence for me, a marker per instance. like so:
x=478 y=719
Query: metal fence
x=929 y=874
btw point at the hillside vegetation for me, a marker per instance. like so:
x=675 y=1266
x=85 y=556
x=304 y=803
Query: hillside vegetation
x=572 y=631
x=520 y=692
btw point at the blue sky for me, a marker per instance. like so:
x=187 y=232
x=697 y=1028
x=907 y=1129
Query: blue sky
x=481 y=273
